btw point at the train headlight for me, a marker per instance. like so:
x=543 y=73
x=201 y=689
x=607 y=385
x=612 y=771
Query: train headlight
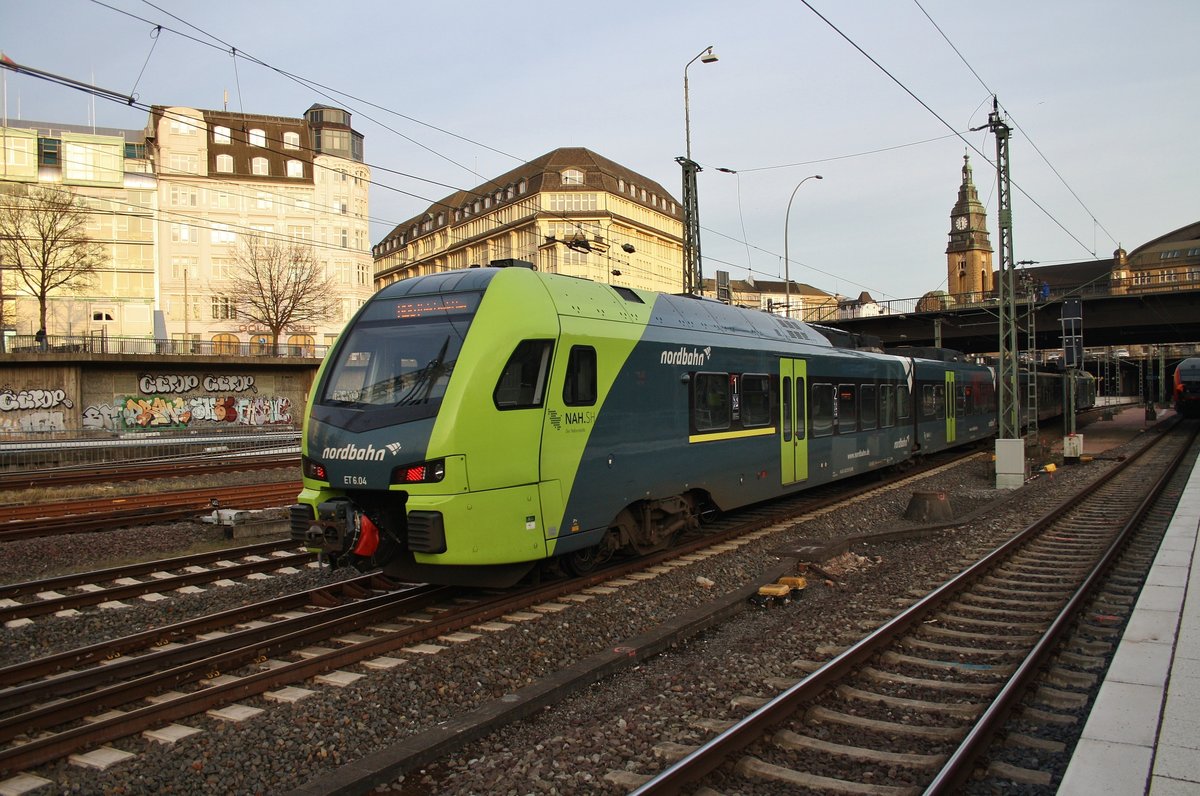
x=423 y=473
x=314 y=469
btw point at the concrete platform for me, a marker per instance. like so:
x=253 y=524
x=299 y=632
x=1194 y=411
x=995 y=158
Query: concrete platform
x=1143 y=733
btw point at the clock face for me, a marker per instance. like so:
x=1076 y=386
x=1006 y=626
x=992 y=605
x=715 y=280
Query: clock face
x=960 y=223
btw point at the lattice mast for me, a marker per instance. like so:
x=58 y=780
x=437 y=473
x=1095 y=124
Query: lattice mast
x=693 y=279
x=1009 y=397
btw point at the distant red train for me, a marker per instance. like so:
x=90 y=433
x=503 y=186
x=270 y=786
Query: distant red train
x=1186 y=389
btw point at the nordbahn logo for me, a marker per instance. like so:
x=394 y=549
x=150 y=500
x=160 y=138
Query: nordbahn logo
x=353 y=453
x=686 y=357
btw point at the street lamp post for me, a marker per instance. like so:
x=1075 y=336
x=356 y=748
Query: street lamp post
x=787 y=279
x=692 y=277
x=706 y=56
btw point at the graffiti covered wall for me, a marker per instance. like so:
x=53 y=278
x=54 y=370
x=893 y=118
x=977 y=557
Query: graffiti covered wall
x=99 y=397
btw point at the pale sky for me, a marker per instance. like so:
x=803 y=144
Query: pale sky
x=1101 y=96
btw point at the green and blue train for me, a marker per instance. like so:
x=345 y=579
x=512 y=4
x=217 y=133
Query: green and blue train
x=472 y=425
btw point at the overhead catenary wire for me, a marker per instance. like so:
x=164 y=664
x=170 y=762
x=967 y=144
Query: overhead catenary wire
x=188 y=120
x=1028 y=137
x=236 y=53
x=938 y=116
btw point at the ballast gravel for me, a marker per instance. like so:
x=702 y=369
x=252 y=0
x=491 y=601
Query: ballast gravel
x=570 y=747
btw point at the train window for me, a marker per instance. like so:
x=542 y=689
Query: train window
x=887 y=406
x=847 y=409
x=903 y=402
x=962 y=400
x=800 y=408
x=787 y=408
x=868 y=412
x=580 y=386
x=822 y=410
x=522 y=383
x=933 y=401
x=756 y=400
x=710 y=401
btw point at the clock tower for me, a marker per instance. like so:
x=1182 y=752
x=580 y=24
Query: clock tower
x=969 y=252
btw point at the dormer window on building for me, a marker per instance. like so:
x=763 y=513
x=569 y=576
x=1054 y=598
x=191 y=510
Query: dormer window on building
x=221 y=135
x=225 y=164
x=572 y=177
x=257 y=138
x=322 y=115
x=182 y=127
x=291 y=140
x=260 y=166
x=295 y=168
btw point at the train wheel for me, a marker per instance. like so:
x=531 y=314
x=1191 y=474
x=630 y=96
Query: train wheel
x=586 y=561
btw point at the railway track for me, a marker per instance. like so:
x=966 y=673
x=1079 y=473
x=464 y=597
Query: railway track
x=24 y=601
x=912 y=706
x=127 y=471
x=82 y=516
x=271 y=646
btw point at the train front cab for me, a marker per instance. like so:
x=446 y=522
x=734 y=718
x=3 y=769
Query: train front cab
x=1185 y=390
x=458 y=493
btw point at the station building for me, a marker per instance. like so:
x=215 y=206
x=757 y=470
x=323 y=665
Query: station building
x=570 y=211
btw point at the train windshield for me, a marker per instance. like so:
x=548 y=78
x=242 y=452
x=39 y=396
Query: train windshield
x=400 y=352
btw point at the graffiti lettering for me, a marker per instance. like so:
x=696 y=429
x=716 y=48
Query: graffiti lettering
x=102 y=417
x=229 y=383
x=168 y=383
x=172 y=411
x=34 y=421
x=33 y=399
x=179 y=383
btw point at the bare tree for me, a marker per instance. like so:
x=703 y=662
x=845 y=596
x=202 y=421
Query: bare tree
x=278 y=285
x=43 y=241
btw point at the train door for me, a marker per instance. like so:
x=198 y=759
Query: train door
x=793 y=432
x=951 y=401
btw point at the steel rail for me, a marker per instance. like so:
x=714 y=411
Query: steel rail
x=112 y=593
x=207 y=657
x=145 y=568
x=87 y=516
x=710 y=755
x=958 y=766
x=54 y=478
x=50 y=665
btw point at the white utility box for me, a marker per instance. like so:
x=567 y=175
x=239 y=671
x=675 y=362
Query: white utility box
x=1010 y=463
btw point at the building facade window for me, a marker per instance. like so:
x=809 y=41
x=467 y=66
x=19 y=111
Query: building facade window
x=572 y=177
x=570 y=202
x=182 y=164
x=184 y=196
x=221 y=233
x=225 y=164
x=225 y=344
x=291 y=140
x=260 y=166
x=182 y=127
x=257 y=138
x=221 y=135
x=295 y=168
x=224 y=308
x=183 y=233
